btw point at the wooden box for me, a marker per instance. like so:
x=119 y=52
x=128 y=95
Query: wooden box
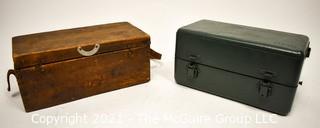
x=62 y=66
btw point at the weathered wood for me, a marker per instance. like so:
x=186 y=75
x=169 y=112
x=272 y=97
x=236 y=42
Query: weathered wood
x=60 y=82
x=50 y=71
x=48 y=47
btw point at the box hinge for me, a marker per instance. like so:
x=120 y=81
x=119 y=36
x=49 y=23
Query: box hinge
x=265 y=88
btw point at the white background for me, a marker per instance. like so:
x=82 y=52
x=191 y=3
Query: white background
x=151 y=104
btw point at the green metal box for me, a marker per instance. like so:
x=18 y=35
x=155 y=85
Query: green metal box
x=254 y=66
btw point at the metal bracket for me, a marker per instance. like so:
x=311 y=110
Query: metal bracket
x=265 y=88
x=94 y=50
x=10 y=72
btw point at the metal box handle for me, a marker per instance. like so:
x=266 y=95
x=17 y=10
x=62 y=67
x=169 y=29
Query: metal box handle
x=93 y=51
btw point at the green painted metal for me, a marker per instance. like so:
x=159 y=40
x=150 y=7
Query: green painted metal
x=255 y=66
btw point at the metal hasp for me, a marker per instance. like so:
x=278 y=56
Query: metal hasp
x=94 y=50
x=192 y=71
x=192 y=68
x=265 y=85
x=265 y=88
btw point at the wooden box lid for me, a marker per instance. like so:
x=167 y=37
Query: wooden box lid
x=49 y=47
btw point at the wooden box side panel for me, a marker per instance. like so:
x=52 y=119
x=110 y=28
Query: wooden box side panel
x=65 y=81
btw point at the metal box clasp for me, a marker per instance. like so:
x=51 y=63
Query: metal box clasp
x=265 y=88
x=192 y=70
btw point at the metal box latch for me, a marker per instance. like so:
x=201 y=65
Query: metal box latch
x=265 y=88
x=192 y=71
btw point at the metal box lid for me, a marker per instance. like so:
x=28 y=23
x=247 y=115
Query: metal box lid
x=288 y=42
x=249 y=51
